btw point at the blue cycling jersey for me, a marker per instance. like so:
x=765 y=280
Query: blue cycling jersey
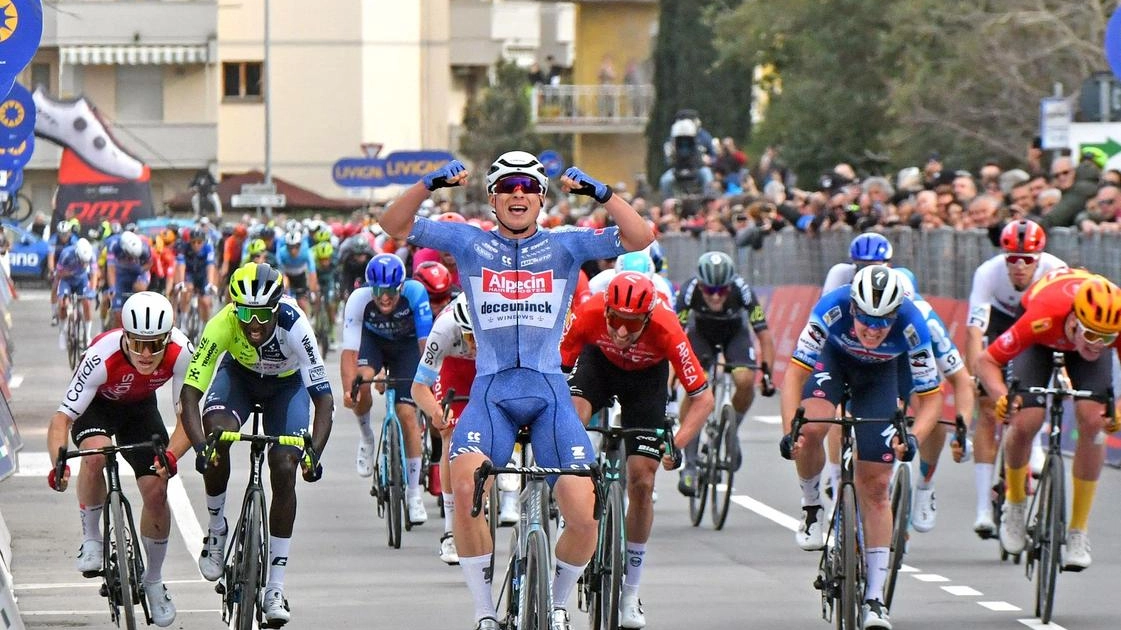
x=69 y=265
x=410 y=319
x=832 y=322
x=125 y=264
x=519 y=289
x=295 y=265
x=196 y=262
x=57 y=245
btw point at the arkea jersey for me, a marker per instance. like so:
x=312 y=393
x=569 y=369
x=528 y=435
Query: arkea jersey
x=519 y=289
x=710 y=323
x=105 y=372
x=992 y=288
x=1047 y=303
x=292 y=347
x=663 y=339
x=598 y=284
x=832 y=322
x=411 y=318
x=444 y=342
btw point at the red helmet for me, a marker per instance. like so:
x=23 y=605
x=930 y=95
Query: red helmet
x=453 y=217
x=1023 y=237
x=631 y=293
x=435 y=277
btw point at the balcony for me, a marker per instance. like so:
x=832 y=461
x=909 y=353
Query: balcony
x=160 y=145
x=592 y=108
x=108 y=23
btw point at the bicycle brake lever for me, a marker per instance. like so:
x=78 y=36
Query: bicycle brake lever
x=481 y=473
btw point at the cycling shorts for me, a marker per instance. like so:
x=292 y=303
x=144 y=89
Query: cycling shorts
x=198 y=280
x=738 y=347
x=75 y=284
x=1033 y=368
x=130 y=422
x=874 y=391
x=398 y=357
x=284 y=399
x=298 y=285
x=642 y=395
x=123 y=290
x=502 y=403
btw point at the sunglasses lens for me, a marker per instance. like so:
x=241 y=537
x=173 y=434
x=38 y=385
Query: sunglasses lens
x=1095 y=337
x=1020 y=259
x=246 y=314
x=469 y=337
x=714 y=290
x=153 y=346
x=630 y=324
x=380 y=291
x=875 y=322
x=507 y=185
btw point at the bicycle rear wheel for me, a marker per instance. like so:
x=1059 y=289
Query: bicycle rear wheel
x=126 y=580
x=396 y=486
x=537 y=584
x=1046 y=531
x=249 y=565
x=901 y=519
x=705 y=453
x=851 y=592
x=723 y=468
x=612 y=563
x=74 y=347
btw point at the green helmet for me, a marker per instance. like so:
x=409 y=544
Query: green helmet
x=257 y=285
x=323 y=251
x=257 y=246
x=715 y=269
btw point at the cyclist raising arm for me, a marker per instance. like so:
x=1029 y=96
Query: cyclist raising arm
x=271 y=360
x=519 y=280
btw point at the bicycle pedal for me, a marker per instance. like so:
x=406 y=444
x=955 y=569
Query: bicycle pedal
x=103 y=591
x=93 y=574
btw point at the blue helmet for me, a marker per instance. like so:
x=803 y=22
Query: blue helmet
x=638 y=261
x=385 y=270
x=870 y=247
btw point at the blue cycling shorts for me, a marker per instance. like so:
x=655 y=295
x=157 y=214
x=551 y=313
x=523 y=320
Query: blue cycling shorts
x=502 y=403
x=284 y=399
x=75 y=284
x=399 y=357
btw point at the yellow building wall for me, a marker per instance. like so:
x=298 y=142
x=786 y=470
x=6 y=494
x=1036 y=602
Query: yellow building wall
x=621 y=32
x=189 y=94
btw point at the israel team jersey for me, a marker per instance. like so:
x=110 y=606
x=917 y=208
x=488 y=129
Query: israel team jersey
x=832 y=322
x=519 y=289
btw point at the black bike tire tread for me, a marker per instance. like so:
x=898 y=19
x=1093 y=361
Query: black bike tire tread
x=250 y=568
x=720 y=504
x=395 y=494
x=851 y=592
x=616 y=561
x=538 y=582
x=1047 y=572
x=901 y=484
x=123 y=546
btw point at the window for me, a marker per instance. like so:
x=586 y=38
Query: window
x=41 y=75
x=139 y=93
x=242 y=80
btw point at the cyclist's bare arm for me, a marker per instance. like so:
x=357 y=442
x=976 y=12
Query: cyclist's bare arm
x=426 y=401
x=964 y=394
x=191 y=419
x=992 y=376
x=974 y=346
x=702 y=406
x=322 y=420
x=58 y=434
x=634 y=232
x=766 y=346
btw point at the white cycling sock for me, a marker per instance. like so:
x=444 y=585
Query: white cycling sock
x=91 y=521
x=834 y=475
x=875 y=559
x=636 y=558
x=216 y=508
x=412 y=471
x=811 y=490
x=564 y=581
x=278 y=560
x=156 y=550
x=365 y=429
x=476 y=570
x=983 y=481
x=449 y=511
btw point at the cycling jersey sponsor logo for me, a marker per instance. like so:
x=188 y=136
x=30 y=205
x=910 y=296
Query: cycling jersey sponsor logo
x=920 y=359
x=688 y=374
x=912 y=335
x=1041 y=325
x=832 y=315
x=518 y=307
x=821 y=377
x=309 y=349
x=483 y=251
x=81 y=375
x=1008 y=341
x=816 y=333
x=430 y=353
x=120 y=388
x=517 y=285
x=317 y=373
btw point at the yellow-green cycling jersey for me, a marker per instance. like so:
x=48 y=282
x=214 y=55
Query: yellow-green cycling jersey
x=291 y=348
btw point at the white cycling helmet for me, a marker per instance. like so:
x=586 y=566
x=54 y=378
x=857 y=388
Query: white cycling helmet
x=639 y=261
x=294 y=238
x=147 y=314
x=517 y=162
x=877 y=290
x=64 y=227
x=461 y=312
x=84 y=250
x=131 y=244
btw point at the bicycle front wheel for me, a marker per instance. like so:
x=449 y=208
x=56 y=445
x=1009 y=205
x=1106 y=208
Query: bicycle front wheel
x=396 y=485
x=74 y=336
x=705 y=454
x=125 y=582
x=537 y=584
x=612 y=563
x=1046 y=531
x=723 y=467
x=901 y=519
x=250 y=565
x=851 y=592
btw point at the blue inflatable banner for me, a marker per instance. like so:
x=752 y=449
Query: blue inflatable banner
x=359 y=173
x=21 y=28
x=1113 y=43
x=15 y=154
x=17 y=113
x=407 y=167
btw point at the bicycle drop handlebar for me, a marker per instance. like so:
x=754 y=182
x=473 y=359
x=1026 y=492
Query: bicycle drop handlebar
x=302 y=442
x=665 y=433
x=488 y=469
x=157 y=444
x=898 y=421
x=359 y=382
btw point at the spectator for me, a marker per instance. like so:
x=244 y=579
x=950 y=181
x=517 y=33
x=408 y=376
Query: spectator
x=990 y=177
x=536 y=76
x=926 y=208
x=1112 y=176
x=1035 y=156
x=1101 y=212
x=1038 y=183
x=1023 y=203
x=1011 y=179
x=984 y=212
x=908 y=182
x=932 y=171
x=1047 y=200
x=555 y=70
x=1078 y=184
x=965 y=189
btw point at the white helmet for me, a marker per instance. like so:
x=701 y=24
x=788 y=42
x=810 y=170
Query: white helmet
x=64 y=227
x=294 y=238
x=877 y=290
x=514 y=162
x=147 y=314
x=84 y=250
x=461 y=312
x=131 y=244
x=639 y=261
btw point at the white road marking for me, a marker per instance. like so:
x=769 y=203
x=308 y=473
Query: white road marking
x=930 y=577
x=768 y=419
x=184 y=515
x=99 y=611
x=1000 y=606
x=17 y=380
x=962 y=591
x=1035 y=623
x=767 y=512
x=88 y=584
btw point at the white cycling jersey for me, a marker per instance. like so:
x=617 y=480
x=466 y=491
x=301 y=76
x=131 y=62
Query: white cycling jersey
x=992 y=288
x=445 y=340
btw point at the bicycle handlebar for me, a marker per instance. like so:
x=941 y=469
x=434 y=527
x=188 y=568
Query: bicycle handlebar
x=665 y=433
x=488 y=469
x=359 y=382
x=302 y=442
x=156 y=443
x=899 y=421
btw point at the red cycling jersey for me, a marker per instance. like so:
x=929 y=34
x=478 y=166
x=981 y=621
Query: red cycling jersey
x=663 y=339
x=1046 y=304
x=458 y=374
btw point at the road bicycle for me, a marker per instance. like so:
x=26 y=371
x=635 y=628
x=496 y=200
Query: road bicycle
x=246 y=570
x=389 y=464
x=600 y=587
x=526 y=598
x=1046 y=524
x=430 y=455
x=841 y=574
x=122 y=565
x=76 y=338
x=16 y=207
x=323 y=323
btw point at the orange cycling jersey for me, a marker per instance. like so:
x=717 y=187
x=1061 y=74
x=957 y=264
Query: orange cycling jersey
x=1046 y=304
x=662 y=339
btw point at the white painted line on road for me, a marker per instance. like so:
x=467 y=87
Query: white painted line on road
x=17 y=380
x=906 y=568
x=768 y=419
x=1000 y=606
x=38 y=464
x=99 y=611
x=766 y=511
x=930 y=577
x=90 y=584
x=962 y=591
x=1035 y=623
x=184 y=514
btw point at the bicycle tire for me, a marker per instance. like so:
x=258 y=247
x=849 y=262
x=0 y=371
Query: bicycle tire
x=492 y=520
x=1048 y=536
x=249 y=567
x=537 y=584
x=723 y=468
x=851 y=591
x=901 y=519
x=700 y=484
x=73 y=336
x=613 y=562
x=20 y=208
x=396 y=487
x=125 y=579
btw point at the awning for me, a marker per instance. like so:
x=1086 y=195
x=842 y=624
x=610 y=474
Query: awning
x=134 y=55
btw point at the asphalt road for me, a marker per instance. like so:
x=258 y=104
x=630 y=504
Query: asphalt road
x=342 y=574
